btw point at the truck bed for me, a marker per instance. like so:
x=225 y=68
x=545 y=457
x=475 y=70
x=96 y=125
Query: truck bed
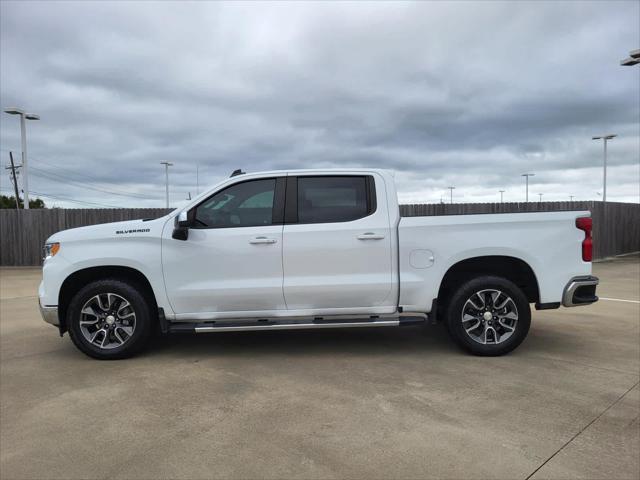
x=430 y=245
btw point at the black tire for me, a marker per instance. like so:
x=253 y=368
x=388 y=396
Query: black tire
x=466 y=292
x=138 y=303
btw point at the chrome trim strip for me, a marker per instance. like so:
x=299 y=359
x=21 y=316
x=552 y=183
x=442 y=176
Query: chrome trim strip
x=281 y=315
x=298 y=326
x=572 y=286
x=49 y=314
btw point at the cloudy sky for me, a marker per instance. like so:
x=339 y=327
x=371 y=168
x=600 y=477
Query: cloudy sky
x=471 y=94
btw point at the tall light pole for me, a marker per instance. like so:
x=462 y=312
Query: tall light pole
x=451 y=189
x=197 y=179
x=23 y=132
x=605 y=138
x=501 y=192
x=166 y=171
x=526 y=176
x=571 y=198
x=540 y=197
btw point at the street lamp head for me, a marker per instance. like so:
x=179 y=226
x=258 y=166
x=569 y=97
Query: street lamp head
x=632 y=59
x=17 y=111
x=528 y=175
x=629 y=61
x=604 y=137
x=13 y=111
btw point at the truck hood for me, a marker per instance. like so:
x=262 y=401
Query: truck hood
x=129 y=228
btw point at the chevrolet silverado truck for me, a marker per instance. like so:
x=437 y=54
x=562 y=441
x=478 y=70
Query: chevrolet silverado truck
x=312 y=249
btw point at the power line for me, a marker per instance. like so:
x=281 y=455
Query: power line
x=109 y=190
x=66 y=199
x=81 y=180
x=82 y=177
x=59 y=178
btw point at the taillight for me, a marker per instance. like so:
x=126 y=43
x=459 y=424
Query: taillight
x=585 y=224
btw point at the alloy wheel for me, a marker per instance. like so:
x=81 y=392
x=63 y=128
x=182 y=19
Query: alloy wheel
x=489 y=317
x=107 y=320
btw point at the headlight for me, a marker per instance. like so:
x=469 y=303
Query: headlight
x=49 y=250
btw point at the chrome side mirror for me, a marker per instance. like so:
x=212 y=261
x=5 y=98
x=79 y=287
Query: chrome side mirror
x=183 y=219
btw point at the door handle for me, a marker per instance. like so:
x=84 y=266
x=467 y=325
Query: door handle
x=257 y=240
x=370 y=236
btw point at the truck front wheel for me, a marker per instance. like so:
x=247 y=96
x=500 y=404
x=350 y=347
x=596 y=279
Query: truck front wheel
x=488 y=316
x=109 y=319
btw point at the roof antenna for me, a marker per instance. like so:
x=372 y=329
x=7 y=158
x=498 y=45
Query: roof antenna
x=237 y=172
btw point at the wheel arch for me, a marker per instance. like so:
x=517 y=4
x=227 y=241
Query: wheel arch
x=78 y=279
x=512 y=268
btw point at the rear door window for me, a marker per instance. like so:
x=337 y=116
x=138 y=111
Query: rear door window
x=332 y=199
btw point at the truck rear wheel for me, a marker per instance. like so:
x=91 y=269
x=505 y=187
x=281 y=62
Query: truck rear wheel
x=109 y=319
x=488 y=316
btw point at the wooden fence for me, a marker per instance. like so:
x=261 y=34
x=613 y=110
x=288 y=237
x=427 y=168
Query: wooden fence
x=615 y=231
x=22 y=233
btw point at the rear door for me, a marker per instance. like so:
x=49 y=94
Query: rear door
x=337 y=244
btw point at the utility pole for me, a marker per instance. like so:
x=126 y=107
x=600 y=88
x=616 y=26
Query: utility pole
x=166 y=171
x=540 y=197
x=571 y=198
x=23 y=133
x=526 y=176
x=606 y=138
x=501 y=192
x=197 y=179
x=451 y=189
x=15 y=180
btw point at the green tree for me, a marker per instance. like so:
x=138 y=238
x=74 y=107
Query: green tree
x=10 y=202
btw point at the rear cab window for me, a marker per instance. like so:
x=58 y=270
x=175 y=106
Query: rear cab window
x=329 y=199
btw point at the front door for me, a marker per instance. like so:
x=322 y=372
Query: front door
x=231 y=263
x=337 y=245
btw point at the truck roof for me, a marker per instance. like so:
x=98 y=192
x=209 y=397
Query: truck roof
x=298 y=171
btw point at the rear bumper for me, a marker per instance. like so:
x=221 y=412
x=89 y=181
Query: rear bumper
x=49 y=314
x=580 y=291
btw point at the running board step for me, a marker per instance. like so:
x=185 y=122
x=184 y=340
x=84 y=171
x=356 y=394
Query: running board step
x=208 y=327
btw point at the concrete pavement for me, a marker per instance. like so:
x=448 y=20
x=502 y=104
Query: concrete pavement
x=380 y=403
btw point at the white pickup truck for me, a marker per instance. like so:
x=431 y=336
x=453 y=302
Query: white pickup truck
x=312 y=249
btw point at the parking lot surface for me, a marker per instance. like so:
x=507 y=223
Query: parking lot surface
x=379 y=403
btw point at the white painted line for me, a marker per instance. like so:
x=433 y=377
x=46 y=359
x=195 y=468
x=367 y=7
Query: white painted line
x=618 y=300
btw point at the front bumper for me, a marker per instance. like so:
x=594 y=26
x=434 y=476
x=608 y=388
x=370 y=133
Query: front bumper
x=49 y=314
x=580 y=291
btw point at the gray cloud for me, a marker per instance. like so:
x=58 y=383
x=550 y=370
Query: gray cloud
x=464 y=93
